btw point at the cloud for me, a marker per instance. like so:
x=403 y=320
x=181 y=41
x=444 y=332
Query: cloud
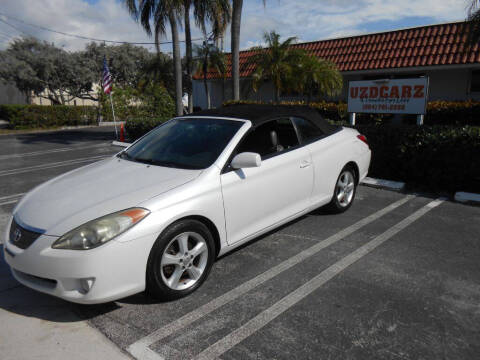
x=306 y=19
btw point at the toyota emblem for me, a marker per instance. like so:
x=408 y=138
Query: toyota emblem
x=17 y=235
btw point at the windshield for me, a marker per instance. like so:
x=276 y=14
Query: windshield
x=191 y=143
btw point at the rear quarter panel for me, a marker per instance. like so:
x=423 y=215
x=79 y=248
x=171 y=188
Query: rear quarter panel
x=330 y=155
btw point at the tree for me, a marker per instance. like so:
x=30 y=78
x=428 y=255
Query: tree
x=46 y=71
x=188 y=53
x=215 y=12
x=313 y=76
x=126 y=62
x=208 y=56
x=235 y=44
x=161 y=13
x=277 y=63
x=473 y=30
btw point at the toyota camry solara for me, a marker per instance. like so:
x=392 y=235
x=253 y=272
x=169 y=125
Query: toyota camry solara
x=155 y=216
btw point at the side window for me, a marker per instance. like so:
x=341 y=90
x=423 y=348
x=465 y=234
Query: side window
x=270 y=138
x=308 y=131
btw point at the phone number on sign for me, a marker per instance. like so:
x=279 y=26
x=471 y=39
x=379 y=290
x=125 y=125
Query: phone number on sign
x=383 y=107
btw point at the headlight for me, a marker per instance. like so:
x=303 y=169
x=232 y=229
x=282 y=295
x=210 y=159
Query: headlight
x=97 y=232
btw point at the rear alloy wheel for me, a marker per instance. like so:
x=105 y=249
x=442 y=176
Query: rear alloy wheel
x=180 y=260
x=345 y=189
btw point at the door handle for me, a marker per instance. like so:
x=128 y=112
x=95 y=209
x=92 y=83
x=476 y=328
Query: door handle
x=304 y=164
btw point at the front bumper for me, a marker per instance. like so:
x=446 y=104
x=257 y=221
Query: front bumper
x=108 y=272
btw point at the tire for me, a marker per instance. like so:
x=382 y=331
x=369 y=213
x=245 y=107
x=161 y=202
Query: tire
x=174 y=271
x=345 y=185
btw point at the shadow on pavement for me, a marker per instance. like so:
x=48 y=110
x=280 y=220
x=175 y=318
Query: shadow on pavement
x=21 y=300
x=18 y=299
x=67 y=137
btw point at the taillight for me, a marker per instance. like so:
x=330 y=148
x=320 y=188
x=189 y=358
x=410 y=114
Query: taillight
x=363 y=138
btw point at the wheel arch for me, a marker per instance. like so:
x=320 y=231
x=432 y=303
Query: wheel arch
x=352 y=164
x=209 y=224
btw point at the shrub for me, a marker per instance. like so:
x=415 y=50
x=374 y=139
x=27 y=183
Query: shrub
x=146 y=101
x=453 y=113
x=137 y=127
x=431 y=158
x=438 y=112
x=38 y=116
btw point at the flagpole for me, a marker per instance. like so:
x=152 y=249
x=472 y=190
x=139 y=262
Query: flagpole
x=113 y=113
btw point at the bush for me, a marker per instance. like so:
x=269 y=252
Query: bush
x=137 y=127
x=431 y=158
x=145 y=101
x=438 y=112
x=453 y=113
x=329 y=110
x=38 y=116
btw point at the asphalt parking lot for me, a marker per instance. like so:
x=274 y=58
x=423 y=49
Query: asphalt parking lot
x=396 y=277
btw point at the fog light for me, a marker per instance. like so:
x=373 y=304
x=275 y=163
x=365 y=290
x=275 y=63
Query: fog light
x=87 y=284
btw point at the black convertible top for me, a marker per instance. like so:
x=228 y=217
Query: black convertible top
x=259 y=114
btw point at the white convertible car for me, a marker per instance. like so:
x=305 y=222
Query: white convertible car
x=156 y=216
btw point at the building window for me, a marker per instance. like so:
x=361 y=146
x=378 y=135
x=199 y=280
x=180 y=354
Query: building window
x=475 y=83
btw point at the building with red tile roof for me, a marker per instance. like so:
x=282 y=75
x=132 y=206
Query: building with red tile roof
x=438 y=51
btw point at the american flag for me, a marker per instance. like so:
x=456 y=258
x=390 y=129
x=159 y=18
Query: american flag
x=107 y=78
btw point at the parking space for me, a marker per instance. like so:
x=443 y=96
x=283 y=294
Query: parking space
x=396 y=277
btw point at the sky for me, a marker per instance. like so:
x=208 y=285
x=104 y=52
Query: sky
x=308 y=20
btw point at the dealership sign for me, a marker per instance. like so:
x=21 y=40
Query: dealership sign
x=399 y=96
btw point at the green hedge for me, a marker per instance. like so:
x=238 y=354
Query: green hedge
x=137 y=127
x=38 y=116
x=149 y=101
x=438 y=112
x=430 y=158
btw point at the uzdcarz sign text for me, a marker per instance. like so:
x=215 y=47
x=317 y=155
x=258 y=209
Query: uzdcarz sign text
x=399 y=96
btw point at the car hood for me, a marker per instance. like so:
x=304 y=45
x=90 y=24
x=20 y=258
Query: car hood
x=98 y=189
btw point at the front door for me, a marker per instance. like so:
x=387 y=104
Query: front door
x=257 y=198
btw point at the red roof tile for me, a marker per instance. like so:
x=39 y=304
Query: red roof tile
x=424 y=46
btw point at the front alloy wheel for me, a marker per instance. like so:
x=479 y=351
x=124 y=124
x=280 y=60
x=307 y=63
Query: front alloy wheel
x=180 y=260
x=184 y=260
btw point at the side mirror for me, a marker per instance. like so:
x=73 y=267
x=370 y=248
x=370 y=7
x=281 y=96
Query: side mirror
x=246 y=160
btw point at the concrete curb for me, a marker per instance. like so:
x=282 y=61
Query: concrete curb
x=110 y=123
x=465 y=197
x=383 y=184
x=46 y=131
x=120 y=143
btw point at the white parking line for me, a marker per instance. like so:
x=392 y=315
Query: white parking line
x=266 y=316
x=4 y=217
x=11 y=199
x=42 y=152
x=50 y=165
x=141 y=349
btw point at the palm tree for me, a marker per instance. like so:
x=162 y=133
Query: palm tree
x=276 y=63
x=208 y=57
x=316 y=76
x=235 y=43
x=473 y=35
x=188 y=52
x=162 y=12
x=215 y=12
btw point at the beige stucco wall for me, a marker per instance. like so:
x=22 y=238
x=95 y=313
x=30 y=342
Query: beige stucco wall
x=37 y=100
x=449 y=84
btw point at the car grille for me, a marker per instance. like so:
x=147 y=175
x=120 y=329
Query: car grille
x=20 y=237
